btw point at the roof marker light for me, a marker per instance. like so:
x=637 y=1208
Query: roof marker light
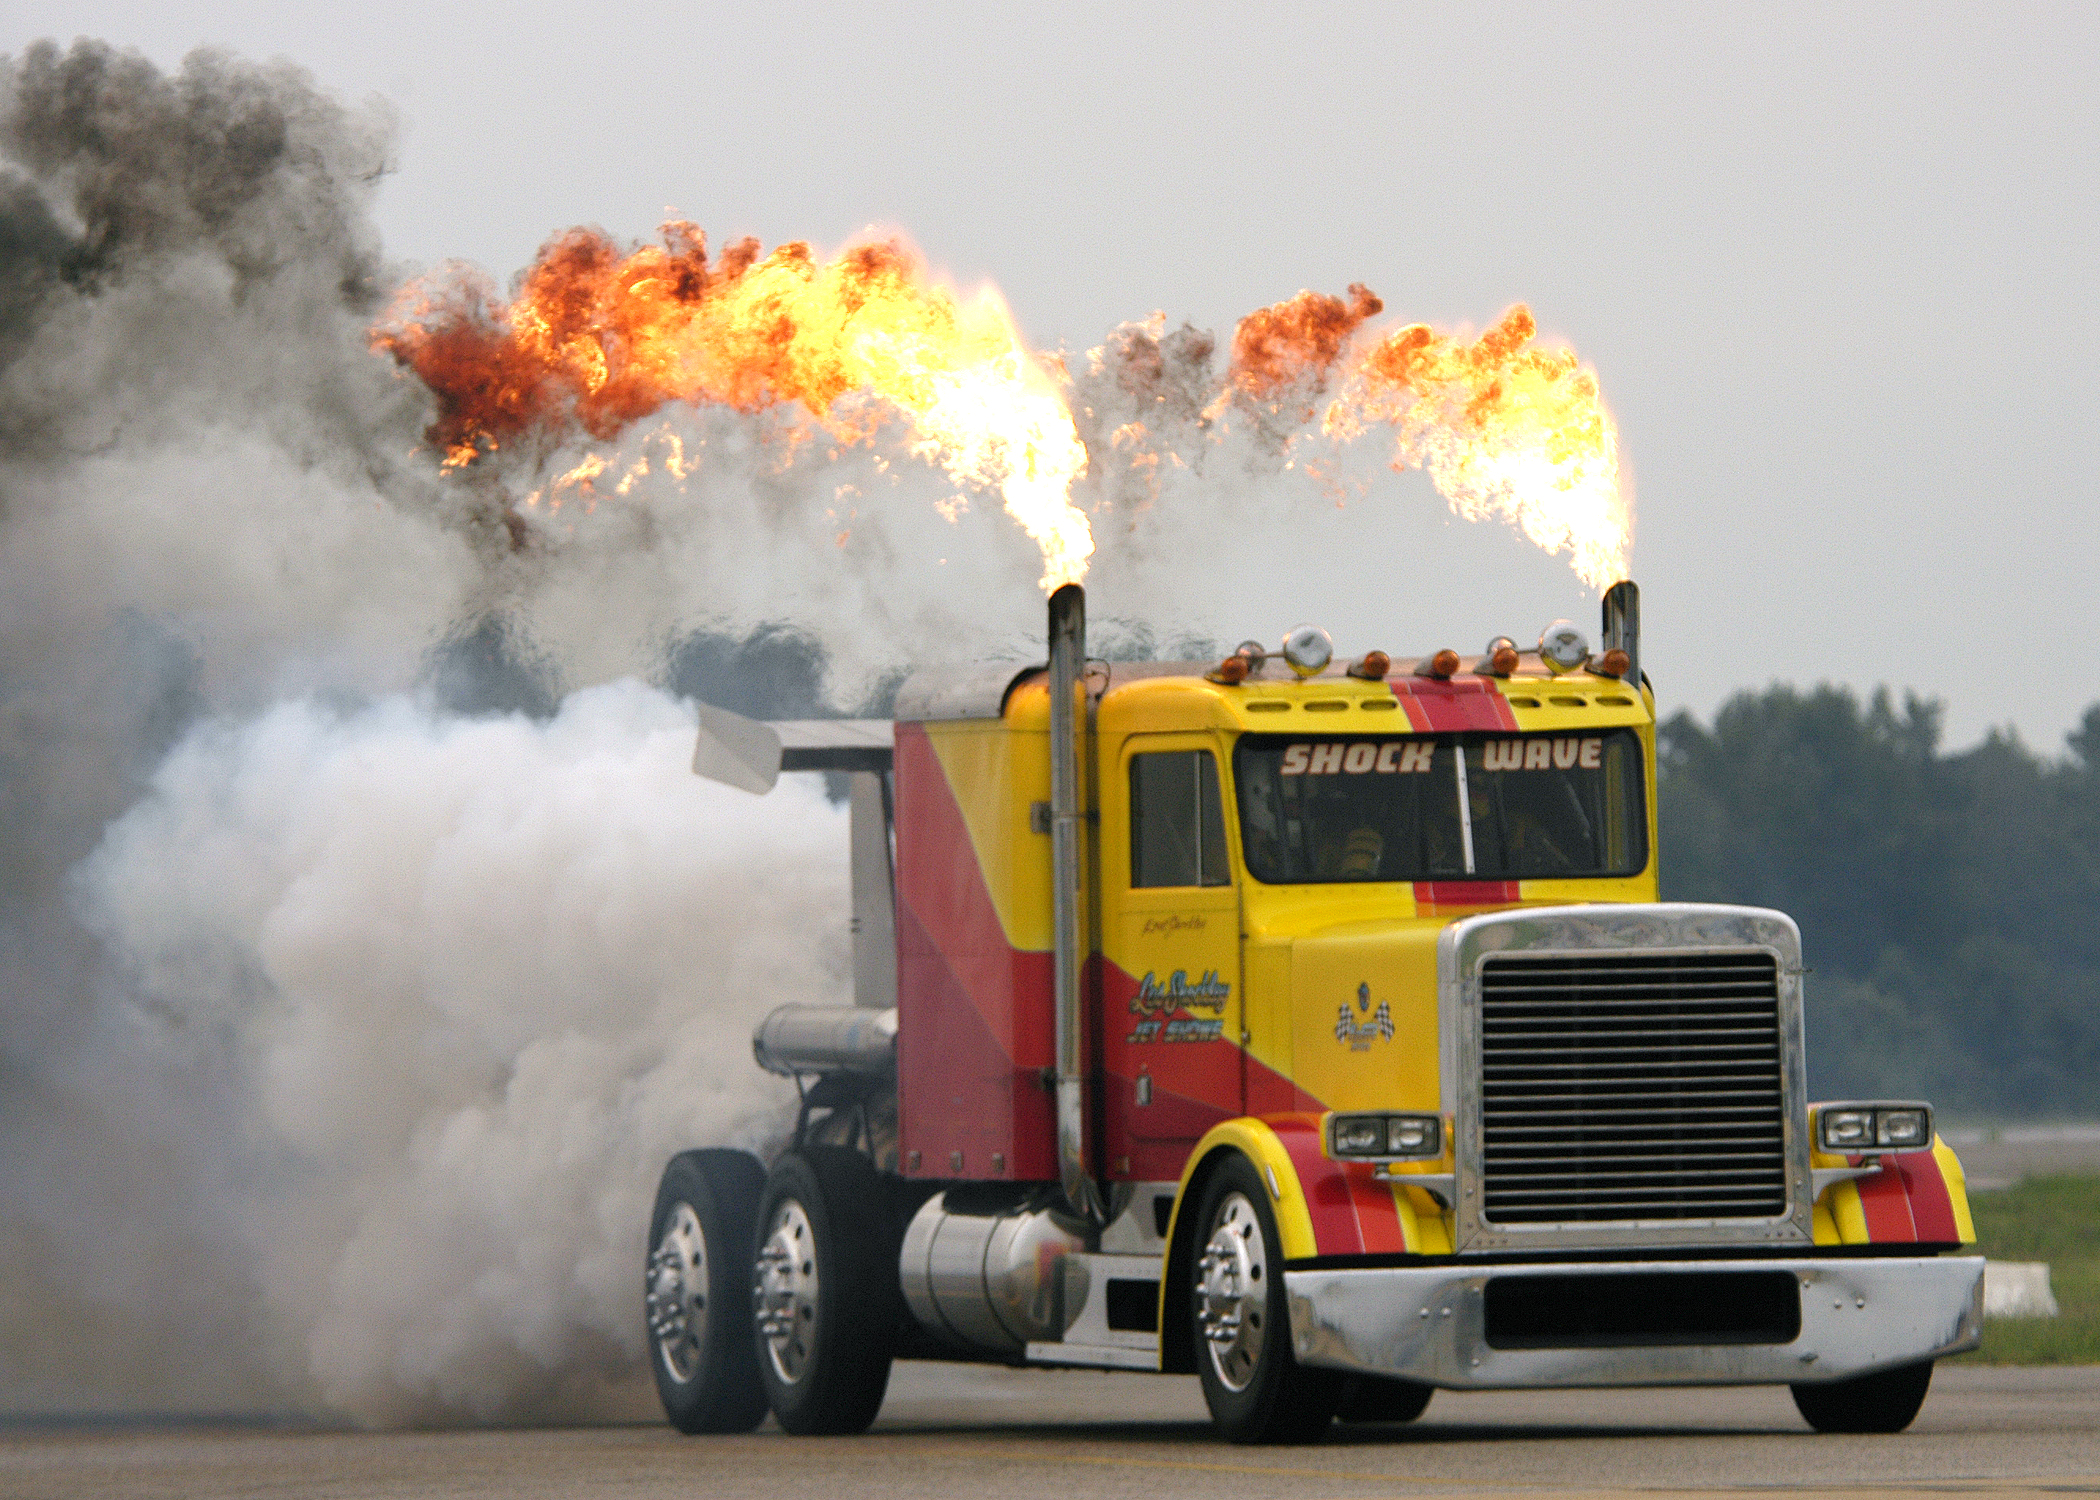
x=1500 y=658
x=1232 y=671
x=1563 y=647
x=1614 y=663
x=1373 y=667
x=1308 y=649
x=1439 y=666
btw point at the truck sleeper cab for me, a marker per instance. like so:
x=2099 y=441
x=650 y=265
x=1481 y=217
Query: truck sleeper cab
x=1370 y=1062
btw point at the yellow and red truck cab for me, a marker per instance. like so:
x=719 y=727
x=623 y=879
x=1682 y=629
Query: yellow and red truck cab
x=1318 y=1028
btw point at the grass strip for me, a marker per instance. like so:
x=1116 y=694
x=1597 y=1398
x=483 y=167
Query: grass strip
x=2054 y=1219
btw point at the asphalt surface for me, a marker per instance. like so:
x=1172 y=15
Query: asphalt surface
x=980 y=1433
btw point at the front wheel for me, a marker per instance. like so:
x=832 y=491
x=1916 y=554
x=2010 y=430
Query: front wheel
x=698 y=1292
x=1886 y=1401
x=1256 y=1389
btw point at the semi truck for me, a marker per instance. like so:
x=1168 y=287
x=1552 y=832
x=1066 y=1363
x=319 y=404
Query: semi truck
x=1311 y=1026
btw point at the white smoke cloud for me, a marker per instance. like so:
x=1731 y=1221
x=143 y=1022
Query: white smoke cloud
x=344 y=1036
x=466 y=984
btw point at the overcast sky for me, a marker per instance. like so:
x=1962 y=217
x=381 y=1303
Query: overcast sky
x=1835 y=266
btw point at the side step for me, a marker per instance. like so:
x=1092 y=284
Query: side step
x=1116 y=1326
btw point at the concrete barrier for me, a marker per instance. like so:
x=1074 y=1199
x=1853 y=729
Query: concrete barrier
x=2017 y=1289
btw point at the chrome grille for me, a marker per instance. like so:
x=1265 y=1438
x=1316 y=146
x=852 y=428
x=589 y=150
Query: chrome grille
x=1619 y=1086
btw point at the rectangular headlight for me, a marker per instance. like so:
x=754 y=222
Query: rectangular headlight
x=1385 y=1137
x=1845 y=1129
x=1414 y=1136
x=1851 y=1129
x=1358 y=1135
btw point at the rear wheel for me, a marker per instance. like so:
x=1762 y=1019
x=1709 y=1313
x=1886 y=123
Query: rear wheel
x=1256 y=1389
x=1376 y=1398
x=825 y=1296
x=698 y=1292
x=1886 y=1401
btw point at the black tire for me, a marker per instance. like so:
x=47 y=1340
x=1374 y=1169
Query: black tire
x=1377 y=1398
x=826 y=1298
x=698 y=1291
x=1886 y=1401
x=1256 y=1389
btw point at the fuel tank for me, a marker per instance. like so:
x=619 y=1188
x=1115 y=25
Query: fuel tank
x=983 y=1267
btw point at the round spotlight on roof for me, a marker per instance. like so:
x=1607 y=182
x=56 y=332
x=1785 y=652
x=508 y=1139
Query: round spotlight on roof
x=1308 y=649
x=1254 y=653
x=1563 y=647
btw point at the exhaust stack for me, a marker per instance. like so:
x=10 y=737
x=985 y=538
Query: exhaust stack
x=1067 y=663
x=1622 y=627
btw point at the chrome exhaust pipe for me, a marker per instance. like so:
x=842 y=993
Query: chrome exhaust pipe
x=797 y=1039
x=1622 y=627
x=1067 y=664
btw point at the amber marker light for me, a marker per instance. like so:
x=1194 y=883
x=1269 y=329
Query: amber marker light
x=1500 y=658
x=1373 y=666
x=1441 y=665
x=1232 y=671
x=1615 y=663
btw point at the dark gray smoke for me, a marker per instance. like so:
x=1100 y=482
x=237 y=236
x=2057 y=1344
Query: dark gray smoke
x=183 y=263
x=196 y=213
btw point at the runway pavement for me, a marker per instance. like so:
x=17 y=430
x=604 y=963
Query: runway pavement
x=2000 y=1158
x=982 y=1432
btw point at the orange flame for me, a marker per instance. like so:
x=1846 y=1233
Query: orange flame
x=596 y=340
x=1276 y=346
x=1504 y=429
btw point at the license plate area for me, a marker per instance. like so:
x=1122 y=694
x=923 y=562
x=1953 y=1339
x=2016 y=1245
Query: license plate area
x=1642 y=1309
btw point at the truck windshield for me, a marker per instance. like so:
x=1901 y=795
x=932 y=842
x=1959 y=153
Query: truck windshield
x=1440 y=807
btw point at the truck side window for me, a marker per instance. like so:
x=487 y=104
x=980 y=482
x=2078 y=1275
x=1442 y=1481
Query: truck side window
x=1177 y=823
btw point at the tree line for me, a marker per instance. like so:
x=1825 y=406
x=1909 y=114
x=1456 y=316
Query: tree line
x=1949 y=903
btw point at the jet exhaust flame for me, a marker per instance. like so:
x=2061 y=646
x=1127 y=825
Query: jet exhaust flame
x=596 y=340
x=1505 y=430
x=1279 y=346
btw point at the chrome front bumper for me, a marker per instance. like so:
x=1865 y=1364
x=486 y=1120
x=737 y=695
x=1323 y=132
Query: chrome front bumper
x=1429 y=1323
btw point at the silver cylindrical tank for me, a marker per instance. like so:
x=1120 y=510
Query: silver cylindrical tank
x=826 y=1039
x=990 y=1281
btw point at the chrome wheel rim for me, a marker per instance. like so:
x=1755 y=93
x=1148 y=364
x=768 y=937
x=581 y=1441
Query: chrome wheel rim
x=677 y=1300
x=1232 y=1293
x=784 y=1292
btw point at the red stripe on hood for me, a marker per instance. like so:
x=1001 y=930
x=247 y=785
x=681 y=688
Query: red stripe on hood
x=1887 y=1208
x=1449 y=706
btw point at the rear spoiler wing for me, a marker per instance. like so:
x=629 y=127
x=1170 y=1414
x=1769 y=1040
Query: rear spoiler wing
x=750 y=754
